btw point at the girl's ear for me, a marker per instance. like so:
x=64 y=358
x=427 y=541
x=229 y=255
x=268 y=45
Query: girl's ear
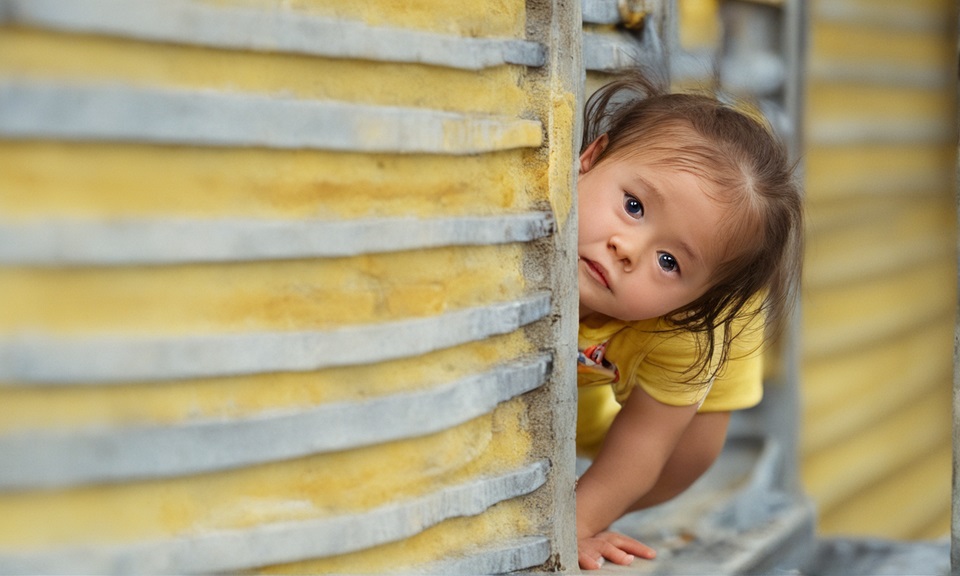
x=589 y=157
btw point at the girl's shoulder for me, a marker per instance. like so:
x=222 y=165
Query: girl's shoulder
x=641 y=333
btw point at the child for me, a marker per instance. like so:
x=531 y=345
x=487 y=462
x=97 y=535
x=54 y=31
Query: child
x=690 y=240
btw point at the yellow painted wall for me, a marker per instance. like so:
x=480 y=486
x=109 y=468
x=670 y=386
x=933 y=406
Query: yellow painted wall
x=42 y=178
x=879 y=294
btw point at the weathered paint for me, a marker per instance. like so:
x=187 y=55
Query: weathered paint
x=59 y=180
x=68 y=242
x=168 y=402
x=33 y=110
x=318 y=486
x=42 y=54
x=51 y=458
x=497 y=18
x=501 y=523
x=274 y=295
x=563 y=111
x=286 y=31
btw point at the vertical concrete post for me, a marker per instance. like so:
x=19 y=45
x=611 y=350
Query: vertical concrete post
x=955 y=520
x=955 y=507
x=558 y=97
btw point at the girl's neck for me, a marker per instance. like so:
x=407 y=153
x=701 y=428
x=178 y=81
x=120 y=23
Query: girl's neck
x=596 y=317
x=586 y=312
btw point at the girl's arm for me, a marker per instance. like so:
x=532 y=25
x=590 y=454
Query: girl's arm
x=641 y=440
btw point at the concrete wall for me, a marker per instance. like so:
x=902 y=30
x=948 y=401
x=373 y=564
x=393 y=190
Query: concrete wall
x=286 y=286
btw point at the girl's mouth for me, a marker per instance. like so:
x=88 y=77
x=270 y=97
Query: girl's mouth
x=597 y=272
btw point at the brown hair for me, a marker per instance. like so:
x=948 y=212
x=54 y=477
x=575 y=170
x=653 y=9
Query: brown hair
x=748 y=164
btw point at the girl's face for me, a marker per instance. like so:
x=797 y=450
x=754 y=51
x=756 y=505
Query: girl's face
x=649 y=236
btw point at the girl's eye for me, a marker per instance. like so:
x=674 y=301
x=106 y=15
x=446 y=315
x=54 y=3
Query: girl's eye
x=667 y=262
x=632 y=206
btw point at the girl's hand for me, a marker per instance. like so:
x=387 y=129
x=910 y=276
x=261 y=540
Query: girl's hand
x=611 y=546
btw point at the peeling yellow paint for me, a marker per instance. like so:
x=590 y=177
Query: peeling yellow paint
x=44 y=55
x=50 y=179
x=501 y=523
x=491 y=18
x=32 y=408
x=314 y=487
x=561 y=160
x=469 y=135
x=275 y=295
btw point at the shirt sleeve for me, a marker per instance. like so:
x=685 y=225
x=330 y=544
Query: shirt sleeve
x=665 y=372
x=739 y=384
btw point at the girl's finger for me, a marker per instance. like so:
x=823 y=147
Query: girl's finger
x=616 y=555
x=631 y=545
x=588 y=562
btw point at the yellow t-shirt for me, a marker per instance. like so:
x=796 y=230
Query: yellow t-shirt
x=615 y=356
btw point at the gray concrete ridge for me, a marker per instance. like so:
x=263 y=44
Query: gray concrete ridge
x=53 y=458
x=139 y=241
x=45 y=360
x=269 y=30
x=36 y=109
x=231 y=550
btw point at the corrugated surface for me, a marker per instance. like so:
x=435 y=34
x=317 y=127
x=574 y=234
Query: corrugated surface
x=282 y=285
x=879 y=296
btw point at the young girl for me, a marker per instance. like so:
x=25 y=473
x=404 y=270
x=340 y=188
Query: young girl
x=690 y=241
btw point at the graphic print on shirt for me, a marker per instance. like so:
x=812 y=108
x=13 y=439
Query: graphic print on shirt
x=593 y=369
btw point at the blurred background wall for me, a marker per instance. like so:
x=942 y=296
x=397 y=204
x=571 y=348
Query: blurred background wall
x=877 y=152
x=880 y=281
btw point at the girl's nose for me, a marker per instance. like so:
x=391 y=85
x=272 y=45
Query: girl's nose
x=625 y=249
